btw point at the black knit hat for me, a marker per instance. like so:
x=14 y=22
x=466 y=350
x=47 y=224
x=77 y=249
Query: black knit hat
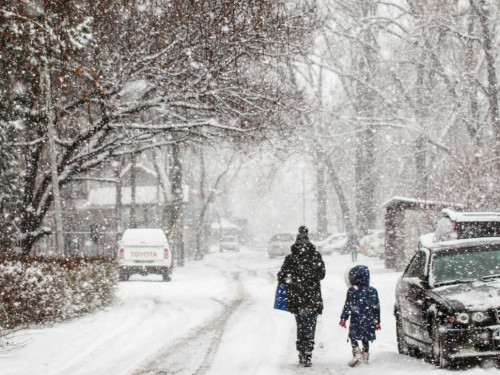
x=303 y=230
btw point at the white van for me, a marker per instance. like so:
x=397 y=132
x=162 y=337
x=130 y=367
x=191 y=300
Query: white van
x=144 y=251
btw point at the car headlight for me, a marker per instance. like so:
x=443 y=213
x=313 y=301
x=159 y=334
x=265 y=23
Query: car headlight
x=479 y=317
x=463 y=318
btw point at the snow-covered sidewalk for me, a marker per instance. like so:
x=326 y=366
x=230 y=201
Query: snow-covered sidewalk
x=215 y=317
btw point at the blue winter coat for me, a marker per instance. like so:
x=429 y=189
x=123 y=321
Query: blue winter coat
x=362 y=305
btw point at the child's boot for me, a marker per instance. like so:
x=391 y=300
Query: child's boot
x=365 y=357
x=356 y=357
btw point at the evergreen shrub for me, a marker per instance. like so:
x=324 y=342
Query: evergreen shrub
x=45 y=290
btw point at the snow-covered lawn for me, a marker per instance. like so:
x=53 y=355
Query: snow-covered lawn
x=215 y=317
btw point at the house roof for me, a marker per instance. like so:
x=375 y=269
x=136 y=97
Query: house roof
x=106 y=197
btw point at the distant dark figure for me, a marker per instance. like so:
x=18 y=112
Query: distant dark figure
x=94 y=238
x=302 y=270
x=362 y=306
x=353 y=246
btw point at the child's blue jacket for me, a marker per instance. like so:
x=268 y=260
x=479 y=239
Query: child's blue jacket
x=362 y=305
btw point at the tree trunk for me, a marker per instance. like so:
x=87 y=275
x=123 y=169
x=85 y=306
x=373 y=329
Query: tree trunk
x=321 y=154
x=365 y=152
x=175 y=225
x=51 y=132
x=321 y=199
x=163 y=188
x=420 y=143
x=481 y=9
x=470 y=57
x=203 y=207
x=133 y=170
x=118 y=200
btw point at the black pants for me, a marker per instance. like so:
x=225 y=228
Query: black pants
x=306 y=329
x=366 y=345
x=306 y=326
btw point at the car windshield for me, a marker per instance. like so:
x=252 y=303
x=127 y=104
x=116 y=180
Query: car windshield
x=465 y=265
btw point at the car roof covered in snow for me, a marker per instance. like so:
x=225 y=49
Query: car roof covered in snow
x=458 y=244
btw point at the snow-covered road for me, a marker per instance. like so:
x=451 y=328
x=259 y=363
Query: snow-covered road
x=214 y=318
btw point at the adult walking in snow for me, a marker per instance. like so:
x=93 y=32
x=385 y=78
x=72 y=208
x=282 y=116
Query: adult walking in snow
x=362 y=306
x=353 y=246
x=302 y=270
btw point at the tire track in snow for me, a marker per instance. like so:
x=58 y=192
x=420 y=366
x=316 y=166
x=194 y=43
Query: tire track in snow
x=194 y=354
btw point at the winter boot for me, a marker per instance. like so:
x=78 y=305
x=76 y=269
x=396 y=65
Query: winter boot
x=306 y=359
x=308 y=348
x=365 y=356
x=301 y=349
x=305 y=348
x=356 y=357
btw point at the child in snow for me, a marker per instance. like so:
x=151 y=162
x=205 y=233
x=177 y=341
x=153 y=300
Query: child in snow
x=363 y=307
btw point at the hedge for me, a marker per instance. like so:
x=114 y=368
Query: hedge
x=44 y=290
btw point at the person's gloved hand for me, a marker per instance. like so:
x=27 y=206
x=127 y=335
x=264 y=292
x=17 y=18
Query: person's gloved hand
x=342 y=323
x=377 y=327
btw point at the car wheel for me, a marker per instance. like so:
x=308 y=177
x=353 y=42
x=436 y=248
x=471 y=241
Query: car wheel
x=123 y=276
x=400 y=336
x=167 y=276
x=438 y=352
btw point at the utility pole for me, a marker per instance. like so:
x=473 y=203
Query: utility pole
x=133 y=189
x=53 y=152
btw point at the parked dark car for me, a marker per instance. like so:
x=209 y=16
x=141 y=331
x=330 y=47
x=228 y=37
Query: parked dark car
x=448 y=301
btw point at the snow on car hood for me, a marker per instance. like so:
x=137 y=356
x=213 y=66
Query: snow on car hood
x=475 y=295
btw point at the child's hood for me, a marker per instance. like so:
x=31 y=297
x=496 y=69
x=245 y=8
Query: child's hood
x=359 y=275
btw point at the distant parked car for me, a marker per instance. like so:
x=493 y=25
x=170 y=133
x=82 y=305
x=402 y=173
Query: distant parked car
x=373 y=244
x=448 y=301
x=230 y=243
x=455 y=225
x=334 y=242
x=280 y=244
x=144 y=251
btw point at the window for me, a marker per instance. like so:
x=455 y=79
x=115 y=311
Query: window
x=476 y=229
x=466 y=265
x=416 y=268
